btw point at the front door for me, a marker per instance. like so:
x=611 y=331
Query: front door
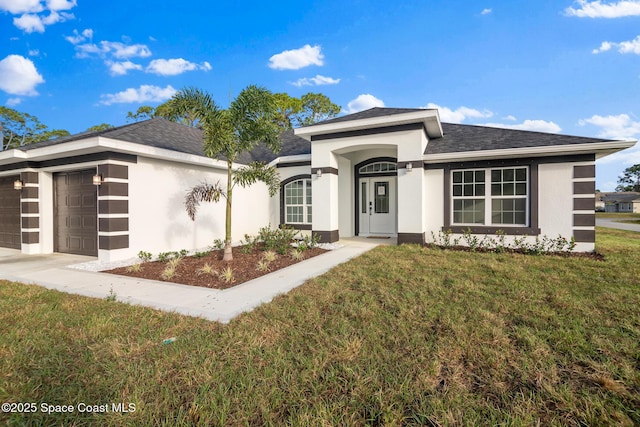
x=377 y=208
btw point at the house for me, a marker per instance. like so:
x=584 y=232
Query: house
x=622 y=202
x=377 y=173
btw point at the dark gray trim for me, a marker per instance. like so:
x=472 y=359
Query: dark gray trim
x=372 y=131
x=113 y=224
x=511 y=162
x=584 y=204
x=29 y=237
x=30 y=207
x=584 y=236
x=282 y=216
x=509 y=231
x=29 y=177
x=109 y=170
x=30 y=222
x=29 y=193
x=415 y=164
x=587 y=187
x=113 y=206
x=326 y=169
x=113 y=189
x=327 y=236
x=588 y=220
x=587 y=171
x=107 y=155
x=292 y=164
x=417 y=238
x=533 y=228
x=113 y=242
x=357 y=176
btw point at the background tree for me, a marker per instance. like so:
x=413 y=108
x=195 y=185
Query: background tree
x=304 y=111
x=630 y=179
x=250 y=119
x=98 y=128
x=18 y=129
x=166 y=111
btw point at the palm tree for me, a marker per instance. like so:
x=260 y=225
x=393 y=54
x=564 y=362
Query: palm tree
x=249 y=120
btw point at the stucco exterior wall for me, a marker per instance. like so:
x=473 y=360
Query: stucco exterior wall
x=157 y=217
x=433 y=201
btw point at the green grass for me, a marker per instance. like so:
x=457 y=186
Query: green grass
x=614 y=215
x=399 y=336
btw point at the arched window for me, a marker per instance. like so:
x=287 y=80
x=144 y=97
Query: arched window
x=377 y=167
x=297 y=202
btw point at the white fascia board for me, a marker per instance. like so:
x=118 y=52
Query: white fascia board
x=9 y=156
x=430 y=119
x=290 y=159
x=601 y=149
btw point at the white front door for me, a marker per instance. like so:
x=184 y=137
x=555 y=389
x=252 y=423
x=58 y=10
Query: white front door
x=377 y=206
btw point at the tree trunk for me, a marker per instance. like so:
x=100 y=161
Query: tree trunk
x=228 y=254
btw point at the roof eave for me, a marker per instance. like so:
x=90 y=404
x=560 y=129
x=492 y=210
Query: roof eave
x=600 y=149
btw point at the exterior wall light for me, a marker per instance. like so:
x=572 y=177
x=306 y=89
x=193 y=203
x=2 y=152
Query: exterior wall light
x=97 y=179
x=319 y=173
x=17 y=185
x=409 y=167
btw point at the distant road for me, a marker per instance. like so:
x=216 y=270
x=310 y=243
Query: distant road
x=612 y=223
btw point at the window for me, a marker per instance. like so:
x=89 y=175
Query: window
x=378 y=167
x=297 y=202
x=506 y=202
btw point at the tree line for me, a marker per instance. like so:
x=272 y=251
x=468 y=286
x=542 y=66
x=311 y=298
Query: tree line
x=20 y=128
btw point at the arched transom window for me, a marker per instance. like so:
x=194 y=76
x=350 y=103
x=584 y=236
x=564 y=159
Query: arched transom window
x=378 y=167
x=297 y=202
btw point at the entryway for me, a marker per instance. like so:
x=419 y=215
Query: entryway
x=76 y=213
x=377 y=206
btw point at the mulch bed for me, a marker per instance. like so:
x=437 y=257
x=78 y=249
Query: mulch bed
x=244 y=266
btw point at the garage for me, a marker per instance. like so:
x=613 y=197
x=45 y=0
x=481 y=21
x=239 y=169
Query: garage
x=75 y=224
x=9 y=213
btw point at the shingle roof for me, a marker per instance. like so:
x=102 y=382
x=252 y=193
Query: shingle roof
x=370 y=113
x=461 y=138
x=625 y=197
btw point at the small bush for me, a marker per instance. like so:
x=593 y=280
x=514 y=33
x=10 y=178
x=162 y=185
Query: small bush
x=206 y=269
x=277 y=239
x=227 y=275
x=145 y=256
x=263 y=265
x=201 y=254
x=269 y=256
x=296 y=255
x=168 y=272
x=135 y=268
x=218 y=244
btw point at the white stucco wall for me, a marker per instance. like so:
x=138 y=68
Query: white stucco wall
x=274 y=203
x=346 y=218
x=158 y=221
x=433 y=201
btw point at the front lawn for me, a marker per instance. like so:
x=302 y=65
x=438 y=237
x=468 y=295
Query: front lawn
x=399 y=336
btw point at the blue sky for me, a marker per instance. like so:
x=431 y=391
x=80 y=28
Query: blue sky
x=563 y=66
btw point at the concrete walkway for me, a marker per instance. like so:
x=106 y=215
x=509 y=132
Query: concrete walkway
x=51 y=272
x=613 y=223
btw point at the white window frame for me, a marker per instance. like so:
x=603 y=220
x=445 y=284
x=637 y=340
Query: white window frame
x=488 y=197
x=306 y=202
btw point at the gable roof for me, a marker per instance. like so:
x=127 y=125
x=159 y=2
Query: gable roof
x=622 y=197
x=371 y=113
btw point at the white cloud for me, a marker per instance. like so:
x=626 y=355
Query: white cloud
x=31 y=18
x=297 y=58
x=145 y=93
x=486 y=11
x=598 y=9
x=17 y=7
x=78 y=38
x=61 y=4
x=531 y=125
x=172 y=67
x=318 y=80
x=18 y=76
x=630 y=46
x=363 y=102
x=34 y=52
x=12 y=102
x=121 y=68
x=116 y=49
x=510 y=118
x=460 y=114
x=614 y=127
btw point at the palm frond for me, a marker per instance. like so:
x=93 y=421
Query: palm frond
x=255 y=172
x=203 y=192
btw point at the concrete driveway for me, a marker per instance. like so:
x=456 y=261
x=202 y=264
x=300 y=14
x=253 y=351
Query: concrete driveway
x=613 y=223
x=52 y=272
